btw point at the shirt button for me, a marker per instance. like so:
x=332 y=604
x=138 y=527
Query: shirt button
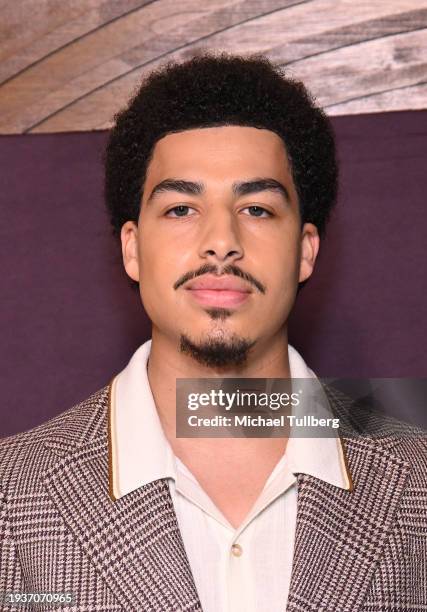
x=237 y=550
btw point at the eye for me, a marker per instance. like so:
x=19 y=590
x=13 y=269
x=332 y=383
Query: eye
x=257 y=211
x=180 y=211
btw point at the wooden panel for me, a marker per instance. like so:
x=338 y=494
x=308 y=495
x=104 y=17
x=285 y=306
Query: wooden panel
x=22 y=46
x=74 y=64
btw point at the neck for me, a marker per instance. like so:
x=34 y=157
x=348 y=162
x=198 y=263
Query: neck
x=267 y=359
x=232 y=471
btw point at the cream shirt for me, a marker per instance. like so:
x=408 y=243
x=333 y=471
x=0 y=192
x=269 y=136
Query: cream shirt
x=247 y=569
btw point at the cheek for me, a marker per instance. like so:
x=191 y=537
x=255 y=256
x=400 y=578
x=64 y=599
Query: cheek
x=281 y=273
x=163 y=253
x=280 y=259
x=160 y=268
x=153 y=254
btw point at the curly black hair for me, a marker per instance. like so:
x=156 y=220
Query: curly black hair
x=216 y=89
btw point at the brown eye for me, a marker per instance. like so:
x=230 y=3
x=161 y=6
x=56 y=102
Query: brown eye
x=180 y=211
x=257 y=211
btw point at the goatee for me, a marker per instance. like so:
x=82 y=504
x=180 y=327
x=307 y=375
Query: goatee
x=216 y=353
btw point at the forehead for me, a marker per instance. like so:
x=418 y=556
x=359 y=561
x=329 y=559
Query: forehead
x=227 y=151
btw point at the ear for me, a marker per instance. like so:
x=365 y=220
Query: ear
x=129 y=238
x=310 y=243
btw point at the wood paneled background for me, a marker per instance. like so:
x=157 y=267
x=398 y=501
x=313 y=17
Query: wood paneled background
x=68 y=65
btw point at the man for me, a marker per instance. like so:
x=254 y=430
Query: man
x=220 y=177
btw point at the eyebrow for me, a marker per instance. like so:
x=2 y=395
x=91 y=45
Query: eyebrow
x=240 y=188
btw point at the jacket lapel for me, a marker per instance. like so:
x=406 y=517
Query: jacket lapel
x=340 y=534
x=133 y=542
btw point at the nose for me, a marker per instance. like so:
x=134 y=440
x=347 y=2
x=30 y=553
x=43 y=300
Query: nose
x=220 y=241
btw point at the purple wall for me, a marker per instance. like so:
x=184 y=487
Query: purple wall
x=70 y=320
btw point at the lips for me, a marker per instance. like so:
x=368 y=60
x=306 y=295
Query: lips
x=219 y=291
x=218 y=283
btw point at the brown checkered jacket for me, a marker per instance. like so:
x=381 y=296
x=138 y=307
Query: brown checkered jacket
x=363 y=550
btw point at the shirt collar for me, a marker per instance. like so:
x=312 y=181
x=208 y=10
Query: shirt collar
x=140 y=452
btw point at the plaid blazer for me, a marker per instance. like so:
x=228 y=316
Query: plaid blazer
x=363 y=550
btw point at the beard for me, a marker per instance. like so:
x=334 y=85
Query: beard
x=217 y=353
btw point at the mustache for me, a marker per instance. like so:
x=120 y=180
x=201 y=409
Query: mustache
x=228 y=269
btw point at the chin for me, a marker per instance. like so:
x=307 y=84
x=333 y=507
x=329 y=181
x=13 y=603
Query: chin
x=217 y=349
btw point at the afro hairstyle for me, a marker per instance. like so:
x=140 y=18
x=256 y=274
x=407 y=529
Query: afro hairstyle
x=217 y=89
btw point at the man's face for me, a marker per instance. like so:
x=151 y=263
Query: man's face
x=219 y=249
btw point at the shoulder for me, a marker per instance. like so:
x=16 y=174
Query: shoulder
x=26 y=452
x=368 y=430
